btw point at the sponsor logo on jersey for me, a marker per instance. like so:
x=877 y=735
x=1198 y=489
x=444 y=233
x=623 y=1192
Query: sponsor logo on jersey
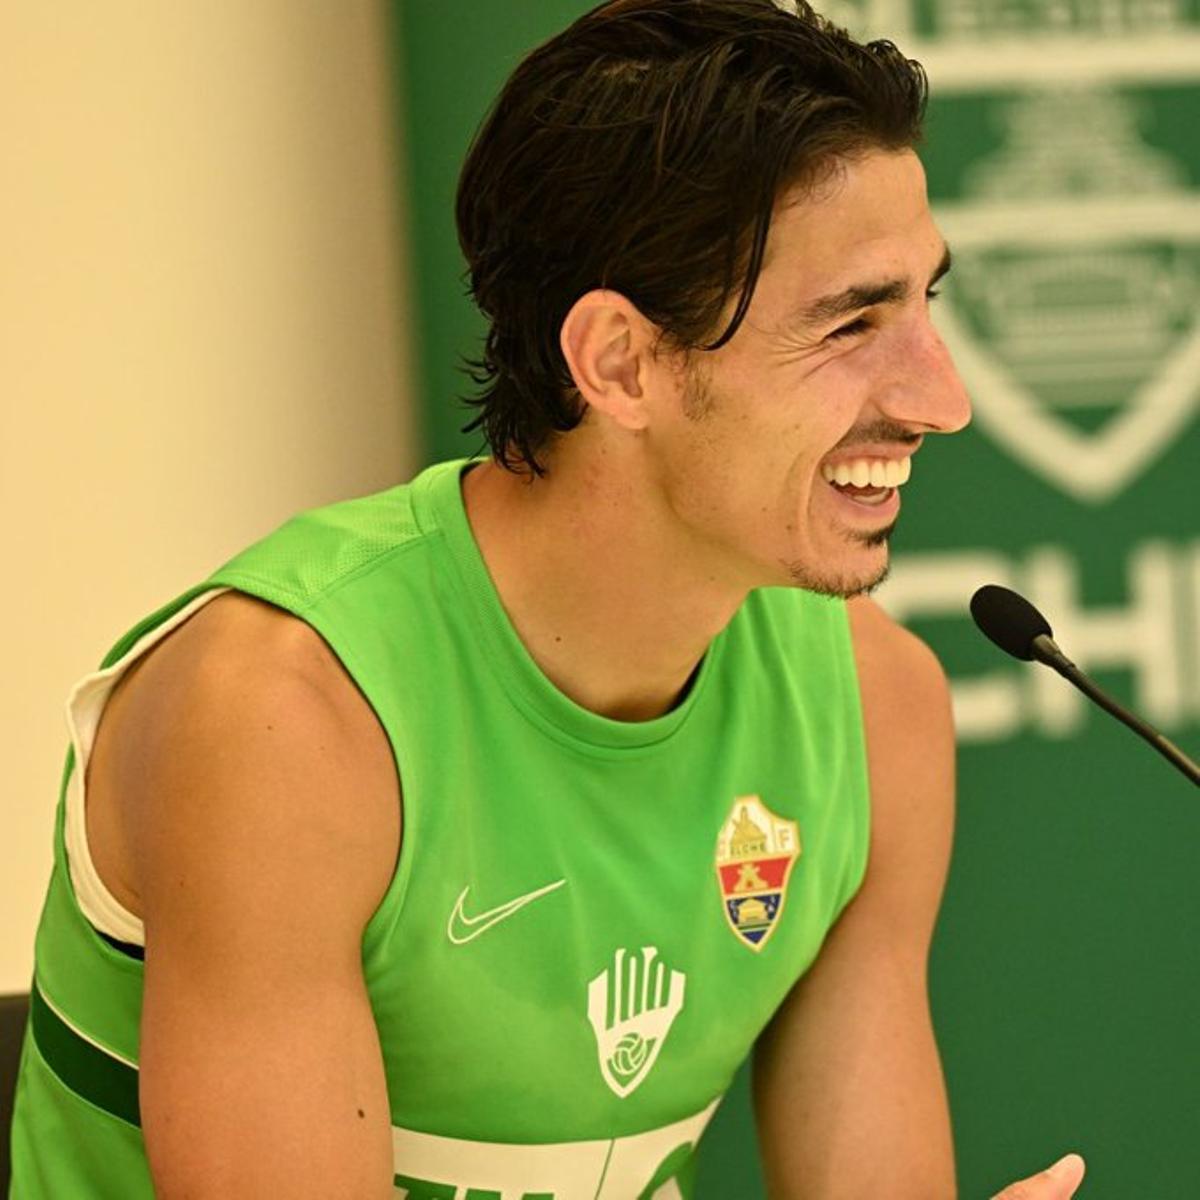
x=756 y=850
x=632 y=1006
x=646 y=1164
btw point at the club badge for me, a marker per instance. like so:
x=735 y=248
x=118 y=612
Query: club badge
x=755 y=852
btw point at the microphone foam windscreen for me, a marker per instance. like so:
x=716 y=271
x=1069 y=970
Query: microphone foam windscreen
x=1008 y=619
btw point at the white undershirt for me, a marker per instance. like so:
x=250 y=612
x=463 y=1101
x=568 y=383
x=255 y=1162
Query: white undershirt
x=83 y=710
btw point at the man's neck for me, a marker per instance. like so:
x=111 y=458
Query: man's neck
x=613 y=609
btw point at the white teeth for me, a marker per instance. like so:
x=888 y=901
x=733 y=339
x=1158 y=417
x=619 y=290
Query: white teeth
x=876 y=472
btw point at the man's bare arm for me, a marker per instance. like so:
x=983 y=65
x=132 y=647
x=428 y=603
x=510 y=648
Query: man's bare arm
x=849 y=1092
x=260 y=806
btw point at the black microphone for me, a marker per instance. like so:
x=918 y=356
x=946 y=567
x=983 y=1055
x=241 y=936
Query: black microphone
x=1019 y=629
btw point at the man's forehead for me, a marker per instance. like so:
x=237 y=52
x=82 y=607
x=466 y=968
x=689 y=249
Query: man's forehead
x=824 y=261
x=850 y=212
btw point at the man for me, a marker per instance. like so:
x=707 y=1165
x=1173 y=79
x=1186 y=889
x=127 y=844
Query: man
x=461 y=840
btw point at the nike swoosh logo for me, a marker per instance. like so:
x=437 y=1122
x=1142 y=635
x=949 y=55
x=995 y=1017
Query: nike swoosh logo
x=471 y=927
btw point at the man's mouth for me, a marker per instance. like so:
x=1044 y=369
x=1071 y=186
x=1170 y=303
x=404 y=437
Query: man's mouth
x=866 y=473
x=867 y=481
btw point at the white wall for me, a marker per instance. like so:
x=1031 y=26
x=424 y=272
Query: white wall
x=202 y=323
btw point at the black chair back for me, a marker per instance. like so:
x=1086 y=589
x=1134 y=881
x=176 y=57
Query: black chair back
x=14 y=1011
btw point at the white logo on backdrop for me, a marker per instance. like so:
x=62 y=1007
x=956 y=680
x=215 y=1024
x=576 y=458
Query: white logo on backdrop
x=1076 y=332
x=1072 y=310
x=1073 y=313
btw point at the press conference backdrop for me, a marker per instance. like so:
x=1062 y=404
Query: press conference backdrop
x=1064 y=170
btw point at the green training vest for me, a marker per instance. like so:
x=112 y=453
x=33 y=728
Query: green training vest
x=590 y=920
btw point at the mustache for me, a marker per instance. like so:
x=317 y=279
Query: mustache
x=879 y=431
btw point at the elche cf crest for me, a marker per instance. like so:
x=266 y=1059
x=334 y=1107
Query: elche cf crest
x=756 y=849
x=631 y=1007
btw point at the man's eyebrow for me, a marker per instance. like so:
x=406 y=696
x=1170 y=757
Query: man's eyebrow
x=862 y=295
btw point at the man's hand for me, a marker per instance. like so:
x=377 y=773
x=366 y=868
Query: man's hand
x=1055 y=1183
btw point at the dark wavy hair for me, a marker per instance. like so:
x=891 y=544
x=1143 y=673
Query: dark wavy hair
x=643 y=149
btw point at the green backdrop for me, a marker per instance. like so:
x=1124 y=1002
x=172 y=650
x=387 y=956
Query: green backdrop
x=1064 y=168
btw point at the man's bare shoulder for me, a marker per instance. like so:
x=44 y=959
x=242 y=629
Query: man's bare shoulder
x=237 y=642
x=237 y=630
x=893 y=663
x=909 y=728
x=242 y=687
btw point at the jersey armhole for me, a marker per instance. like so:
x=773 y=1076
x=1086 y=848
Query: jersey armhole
x=84 y=707
x=857 y=765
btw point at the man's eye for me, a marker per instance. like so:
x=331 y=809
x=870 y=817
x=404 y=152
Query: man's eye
x=862 y=324
x=859 y=326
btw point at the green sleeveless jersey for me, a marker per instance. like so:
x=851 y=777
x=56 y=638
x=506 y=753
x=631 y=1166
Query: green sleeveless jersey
x=590 y=920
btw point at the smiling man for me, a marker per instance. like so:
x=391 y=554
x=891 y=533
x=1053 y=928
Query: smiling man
x=460 y=841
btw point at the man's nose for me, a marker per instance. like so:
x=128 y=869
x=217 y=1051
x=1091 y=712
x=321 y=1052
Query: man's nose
x=928 y=389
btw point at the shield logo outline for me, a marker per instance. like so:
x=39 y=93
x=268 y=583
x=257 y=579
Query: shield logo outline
x=755 y=854
x=1090 y=467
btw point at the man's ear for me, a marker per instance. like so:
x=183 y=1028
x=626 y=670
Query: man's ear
x=607 y=345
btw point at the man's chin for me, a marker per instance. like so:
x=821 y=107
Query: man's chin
x=840 y=585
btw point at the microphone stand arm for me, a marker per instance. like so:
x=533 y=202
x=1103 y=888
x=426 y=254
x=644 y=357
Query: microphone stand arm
x=1045 y=650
